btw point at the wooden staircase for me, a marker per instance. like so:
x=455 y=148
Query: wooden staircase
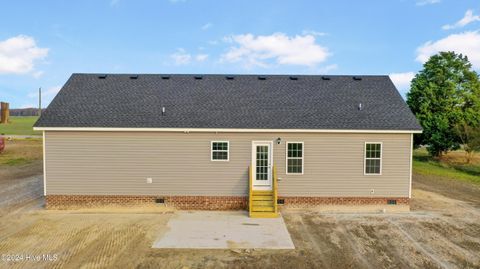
x=263 y=203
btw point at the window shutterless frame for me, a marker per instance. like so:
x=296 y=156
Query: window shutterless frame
x=212 y=150
x=302 y=158
x=370 y=158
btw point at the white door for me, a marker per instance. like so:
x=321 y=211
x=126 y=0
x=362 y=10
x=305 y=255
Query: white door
x=262 y=165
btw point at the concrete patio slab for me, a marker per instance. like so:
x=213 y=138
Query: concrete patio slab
x=224 y=230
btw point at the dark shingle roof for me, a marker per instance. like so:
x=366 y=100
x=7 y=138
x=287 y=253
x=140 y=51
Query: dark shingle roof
x=278 y=102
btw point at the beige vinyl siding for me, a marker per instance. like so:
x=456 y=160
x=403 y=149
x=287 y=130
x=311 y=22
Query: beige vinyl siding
x=179 y=164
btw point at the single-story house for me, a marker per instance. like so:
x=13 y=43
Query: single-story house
x=221 y=142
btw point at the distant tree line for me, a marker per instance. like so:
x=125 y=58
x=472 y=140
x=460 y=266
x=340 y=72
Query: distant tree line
x=24 y=112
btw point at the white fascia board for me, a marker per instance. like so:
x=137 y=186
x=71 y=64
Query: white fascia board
x=221 y=130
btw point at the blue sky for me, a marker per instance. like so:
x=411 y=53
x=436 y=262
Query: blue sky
x=43 y=42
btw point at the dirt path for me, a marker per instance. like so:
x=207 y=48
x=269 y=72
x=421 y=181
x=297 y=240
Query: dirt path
x=18 y=191
x=440 y=232
x=455 y=189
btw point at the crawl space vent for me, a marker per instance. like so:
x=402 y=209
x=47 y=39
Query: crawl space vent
x=391 y=202
x=160 y=200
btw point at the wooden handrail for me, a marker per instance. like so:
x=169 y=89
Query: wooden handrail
x=250 y=189
x=275 y=189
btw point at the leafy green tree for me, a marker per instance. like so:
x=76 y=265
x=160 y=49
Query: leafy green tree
x=443 y=95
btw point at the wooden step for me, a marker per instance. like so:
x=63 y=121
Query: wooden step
x=262 y=198
x=262 y=203
x=262 y=192
x=256 y=208
x=263 y=215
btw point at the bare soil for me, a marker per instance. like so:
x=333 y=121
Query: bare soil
x=441 y=231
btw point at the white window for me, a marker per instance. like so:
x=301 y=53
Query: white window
x=373 y=158
x=295 y=158
x=220 y=151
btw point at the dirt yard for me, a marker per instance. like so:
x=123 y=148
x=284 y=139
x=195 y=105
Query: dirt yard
x=441 y=231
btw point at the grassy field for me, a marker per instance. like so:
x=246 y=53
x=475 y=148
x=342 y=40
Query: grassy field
x=452 y=166
x=21 y=158
x=21 y=151
x=20 y=126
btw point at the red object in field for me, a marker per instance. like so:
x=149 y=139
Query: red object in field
x=2 y=143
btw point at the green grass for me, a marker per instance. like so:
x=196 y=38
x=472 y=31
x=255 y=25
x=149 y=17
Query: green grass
x=20 y=126
x=16 y=161
x=21 y=151
x=425 y=165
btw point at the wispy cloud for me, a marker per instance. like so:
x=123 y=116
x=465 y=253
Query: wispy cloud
x=427 y=2
x=278 y=48
x=47 y=95
x=201 y=57
x=467 y=19
x=30 y=105
x=19 y=54
x=177 y=1
x=314 y=33
x=181 y=57
x=206 y=26
x=402 y=81
x=467 y=43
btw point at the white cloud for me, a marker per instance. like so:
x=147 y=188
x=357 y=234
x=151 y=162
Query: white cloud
x=29 y=106
x=282 y=49
x=467 y=19
x=467 y=43
x=177 y=1
x=46 y=93
x=206 y=26
x=402 y=80
x=37 y=74
x=201 y=57
x=427 y=2
x=181 y=57
x=19 y=54
x=328 y=68
x=314 y=33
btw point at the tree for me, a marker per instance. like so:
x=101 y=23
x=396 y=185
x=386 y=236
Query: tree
x=443 y=95
x=470 y=138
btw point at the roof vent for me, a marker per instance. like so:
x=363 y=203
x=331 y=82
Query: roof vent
x=293 y=78
x=325 y=78
x=262 y=77
x=357 y=78
x=198 y=77
x=133 y=76
x=165 y=77
x=230 y=77
x=102 y=76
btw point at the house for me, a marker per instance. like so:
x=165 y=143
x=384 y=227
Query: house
x=222 y=142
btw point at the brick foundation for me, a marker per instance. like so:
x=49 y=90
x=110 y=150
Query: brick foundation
x=300 y=201
x=178 y=202
x=206 y=202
